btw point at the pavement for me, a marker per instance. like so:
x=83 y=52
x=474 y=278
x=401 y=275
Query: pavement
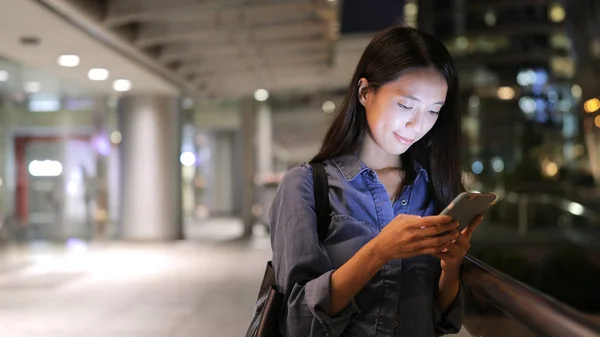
x=205 y=286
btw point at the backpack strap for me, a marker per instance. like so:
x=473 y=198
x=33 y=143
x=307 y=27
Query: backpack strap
x=321 y=190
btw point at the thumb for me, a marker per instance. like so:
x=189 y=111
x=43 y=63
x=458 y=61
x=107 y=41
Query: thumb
x=407 y=217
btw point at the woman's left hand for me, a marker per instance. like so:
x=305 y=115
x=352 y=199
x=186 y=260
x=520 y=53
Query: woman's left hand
x=452 y=255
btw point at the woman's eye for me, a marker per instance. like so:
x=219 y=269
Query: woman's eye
x=434 y=112
x=405 y=107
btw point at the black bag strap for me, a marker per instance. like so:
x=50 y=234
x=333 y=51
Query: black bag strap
x=321 y=189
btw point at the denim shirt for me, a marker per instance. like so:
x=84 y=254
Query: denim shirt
x=400 y=300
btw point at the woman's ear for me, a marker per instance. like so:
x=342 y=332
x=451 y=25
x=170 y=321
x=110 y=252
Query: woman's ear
x=363 y=91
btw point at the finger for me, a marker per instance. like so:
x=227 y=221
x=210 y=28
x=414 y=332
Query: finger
x=427 y=231
x=439 y=254
x=432 y=220
x=407 y=217
x=468 y=231
x=459 y=248
x=445 y=257
x=436 y=241
x=460 y=240
x=452 y=249
x=433 y=251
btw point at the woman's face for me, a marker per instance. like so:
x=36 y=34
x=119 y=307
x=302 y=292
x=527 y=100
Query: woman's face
x=403 y=111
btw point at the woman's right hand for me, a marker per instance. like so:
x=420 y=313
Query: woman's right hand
x=410 y=235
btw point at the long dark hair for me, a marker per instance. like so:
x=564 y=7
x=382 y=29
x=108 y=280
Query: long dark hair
x=390 y=54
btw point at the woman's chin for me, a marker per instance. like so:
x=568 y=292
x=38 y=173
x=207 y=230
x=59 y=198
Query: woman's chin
x=397 y=149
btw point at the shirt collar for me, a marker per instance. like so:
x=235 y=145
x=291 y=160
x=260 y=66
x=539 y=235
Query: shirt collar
x=351 y=166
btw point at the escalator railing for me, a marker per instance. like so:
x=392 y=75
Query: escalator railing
x=497 y=305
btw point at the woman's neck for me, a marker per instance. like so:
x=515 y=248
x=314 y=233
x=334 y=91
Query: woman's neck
x=376 y=158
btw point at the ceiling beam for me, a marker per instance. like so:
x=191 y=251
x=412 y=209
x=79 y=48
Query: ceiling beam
x=121 y=12
x=262 y=34
x=269 y=77
x=245 y=89
x=247 y=86
x=273 y=82
x=186 y=52
x=232 y=64
x=241 y=19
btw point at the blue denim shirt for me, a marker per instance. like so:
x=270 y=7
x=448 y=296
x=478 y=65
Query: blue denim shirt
x=398 y=301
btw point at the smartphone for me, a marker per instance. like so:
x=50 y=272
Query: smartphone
x=467 y=206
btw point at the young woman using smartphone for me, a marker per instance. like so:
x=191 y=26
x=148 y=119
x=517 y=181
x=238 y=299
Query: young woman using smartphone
x=392 y=158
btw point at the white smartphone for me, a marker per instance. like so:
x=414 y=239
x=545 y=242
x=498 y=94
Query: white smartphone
x=467 y=206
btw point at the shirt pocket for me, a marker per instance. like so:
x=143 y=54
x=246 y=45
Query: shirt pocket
x=346 y=237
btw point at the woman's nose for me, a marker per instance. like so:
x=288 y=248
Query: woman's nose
x=415 y=122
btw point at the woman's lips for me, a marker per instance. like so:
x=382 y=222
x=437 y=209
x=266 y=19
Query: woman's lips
x=404 y=140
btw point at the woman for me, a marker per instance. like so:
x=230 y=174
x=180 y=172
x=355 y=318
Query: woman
x=392 y=160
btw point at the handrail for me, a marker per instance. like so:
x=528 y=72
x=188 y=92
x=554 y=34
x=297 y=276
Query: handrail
x=562 y=203
x=540 y=313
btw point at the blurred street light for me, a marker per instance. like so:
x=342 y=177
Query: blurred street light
x=490 y=18
x=591 y=105
x=576 y=91
x=506 y=93
x=556 y=13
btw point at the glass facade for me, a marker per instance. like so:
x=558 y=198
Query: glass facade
x=59 y=158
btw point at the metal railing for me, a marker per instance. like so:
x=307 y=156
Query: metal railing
x=541 y=314
x=526 y=205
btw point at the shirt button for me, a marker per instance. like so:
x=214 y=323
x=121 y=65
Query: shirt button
x=395 y=324
x=404 y=202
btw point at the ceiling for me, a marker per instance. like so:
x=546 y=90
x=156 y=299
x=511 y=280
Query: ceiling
x=226 y=49
x=30 y=20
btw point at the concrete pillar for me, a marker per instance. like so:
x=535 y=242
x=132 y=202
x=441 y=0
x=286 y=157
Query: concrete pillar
x=188 y=172
x=5 y=159
x=150 y=168
x=264 y=139
x=223 y=172
x=264 y=155
x=248 y=187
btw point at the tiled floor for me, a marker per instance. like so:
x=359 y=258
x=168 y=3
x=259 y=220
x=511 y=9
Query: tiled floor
x=193 y=288
x=203 y=287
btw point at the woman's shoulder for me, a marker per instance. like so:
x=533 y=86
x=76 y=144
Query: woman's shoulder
x=294 y=193
x=299 y=174
x=297 y=183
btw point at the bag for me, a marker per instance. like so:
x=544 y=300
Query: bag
x=265 y=322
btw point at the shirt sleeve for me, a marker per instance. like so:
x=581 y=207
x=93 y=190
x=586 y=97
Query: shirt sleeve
x=449 y=322
x=302 y=266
